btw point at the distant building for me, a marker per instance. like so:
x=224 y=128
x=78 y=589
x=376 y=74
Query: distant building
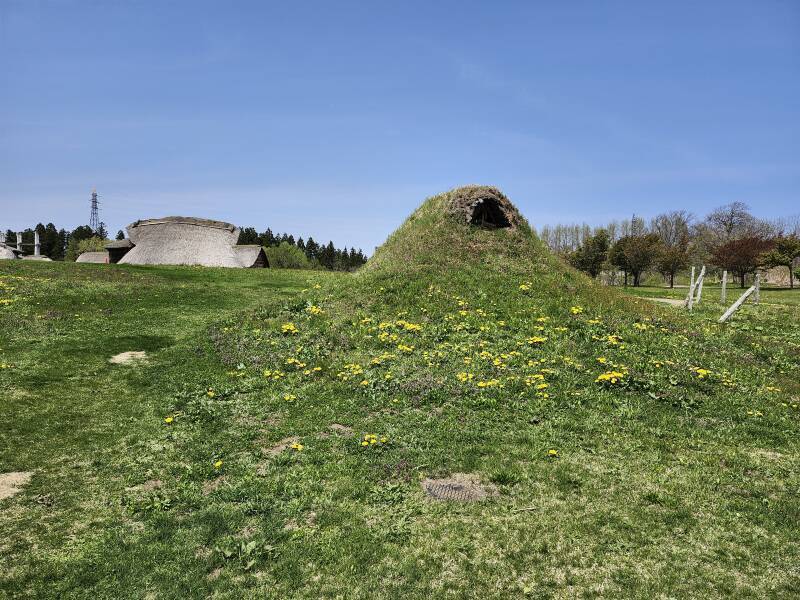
x=9 y=252
x=185 y=241
x=117 y=249
x=93 y=257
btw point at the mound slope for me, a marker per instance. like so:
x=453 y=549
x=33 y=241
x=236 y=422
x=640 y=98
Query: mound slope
x=467 y=226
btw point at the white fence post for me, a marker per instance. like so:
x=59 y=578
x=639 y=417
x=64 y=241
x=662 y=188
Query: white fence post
x=736 y=305
x=690 y=298
x=757 y=297
x=699 y=284
x=724 y=295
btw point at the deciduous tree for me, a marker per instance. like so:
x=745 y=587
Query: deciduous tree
x=785 y=250
x=740 y=256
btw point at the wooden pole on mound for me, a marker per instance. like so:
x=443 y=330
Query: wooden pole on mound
x=735 y=306
x=724 y=295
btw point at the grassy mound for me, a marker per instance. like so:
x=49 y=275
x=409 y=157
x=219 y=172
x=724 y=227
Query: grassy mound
x=281 y=440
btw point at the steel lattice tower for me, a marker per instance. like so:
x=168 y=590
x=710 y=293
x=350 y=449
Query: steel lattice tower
x=94 y=218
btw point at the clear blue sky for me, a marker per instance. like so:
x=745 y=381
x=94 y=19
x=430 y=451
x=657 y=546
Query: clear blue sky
x=336 y=119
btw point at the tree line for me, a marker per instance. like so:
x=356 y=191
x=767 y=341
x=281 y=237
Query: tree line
x=287 y=248
x=283 y=249
x=729 y=238
x=57 y=244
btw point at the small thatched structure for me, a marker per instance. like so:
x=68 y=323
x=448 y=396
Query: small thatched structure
x=9 y=252
x=117 y=249
x=484 y=206
x=93 y=257
x=34 y=257
x=251 y=256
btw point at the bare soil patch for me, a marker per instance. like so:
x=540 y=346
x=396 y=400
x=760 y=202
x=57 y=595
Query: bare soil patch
x=147 y=486
x=124 y=358
x=459 y=487
x=213 y=485
x=281 y=446
x=11 y=484
x=341 y=429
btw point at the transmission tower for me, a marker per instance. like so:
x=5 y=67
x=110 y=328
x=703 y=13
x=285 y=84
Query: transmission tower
x=94 y=218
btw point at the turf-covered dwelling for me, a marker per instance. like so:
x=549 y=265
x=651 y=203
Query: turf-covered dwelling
x=186 y=241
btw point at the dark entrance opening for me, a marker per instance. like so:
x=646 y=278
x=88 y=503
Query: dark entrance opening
x=488 y=214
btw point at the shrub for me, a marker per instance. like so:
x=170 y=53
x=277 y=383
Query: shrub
x=287 y=256
x=77 y=247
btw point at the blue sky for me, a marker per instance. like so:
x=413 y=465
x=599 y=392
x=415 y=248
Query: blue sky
x=336 y=119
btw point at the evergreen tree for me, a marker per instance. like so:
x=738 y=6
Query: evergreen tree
x=268 y=239
x=312 y=249
x=61 y=247
x=51 y=243
x=247 y=235
x=120 y=235
x=84 y=232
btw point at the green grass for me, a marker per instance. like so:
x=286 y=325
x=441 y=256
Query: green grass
x=666 y=484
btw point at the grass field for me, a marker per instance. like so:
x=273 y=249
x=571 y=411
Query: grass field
x=232 y=462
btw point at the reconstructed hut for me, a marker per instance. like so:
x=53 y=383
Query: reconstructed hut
x=93 y=257
x=484 y=206
x=9 y=252
x=35 y=257
x=189 y=241
x=117 y=249
x=252 y=256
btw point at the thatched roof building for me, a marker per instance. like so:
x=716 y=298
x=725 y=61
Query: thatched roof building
x=252 y=256
x=93 y=257
x=34 y=257
x=189 y=241
x=9 y=252
x=117 y=249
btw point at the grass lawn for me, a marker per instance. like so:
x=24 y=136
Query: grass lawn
x=628 y=449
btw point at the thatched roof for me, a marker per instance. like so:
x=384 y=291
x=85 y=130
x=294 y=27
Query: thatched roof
x=9 y=252
x=182 y=241
x=126 y=243
x=251 y=255
x=484 y=206
x=34 y=257
x=93 y=257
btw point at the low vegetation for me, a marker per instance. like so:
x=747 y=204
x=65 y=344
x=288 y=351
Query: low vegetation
x=274 y=440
